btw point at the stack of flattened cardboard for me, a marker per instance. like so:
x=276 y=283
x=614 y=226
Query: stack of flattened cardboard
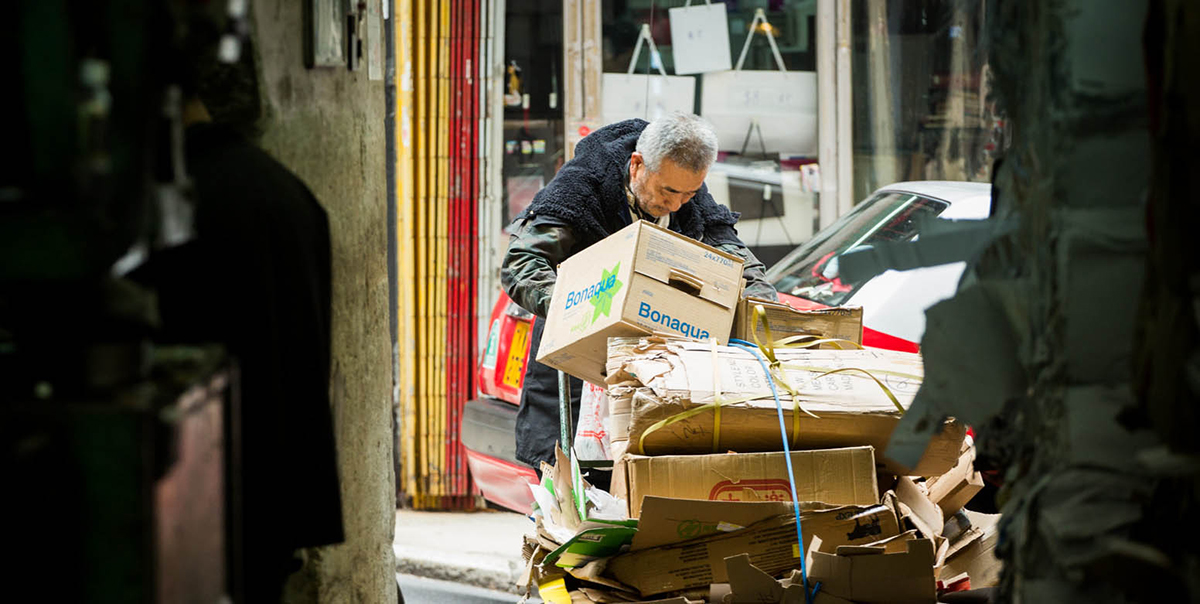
x=670 y=396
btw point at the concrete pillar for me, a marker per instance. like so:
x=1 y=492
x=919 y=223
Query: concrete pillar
x=327 y=126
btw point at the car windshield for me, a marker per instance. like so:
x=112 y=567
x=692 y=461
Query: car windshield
x=811 y=270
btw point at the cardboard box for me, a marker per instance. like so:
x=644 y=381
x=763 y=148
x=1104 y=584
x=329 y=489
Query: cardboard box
x=640 y=280
x=834 y=476
x=659 y=379
x=770 y=543
x=843 y=323
x=878 y=574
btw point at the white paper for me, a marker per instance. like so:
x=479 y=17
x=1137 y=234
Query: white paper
x=648 y=97
x=700 y=38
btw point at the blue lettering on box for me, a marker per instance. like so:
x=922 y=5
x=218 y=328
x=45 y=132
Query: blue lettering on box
x=647 y=312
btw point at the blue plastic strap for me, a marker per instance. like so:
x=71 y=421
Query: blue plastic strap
x=787 y=456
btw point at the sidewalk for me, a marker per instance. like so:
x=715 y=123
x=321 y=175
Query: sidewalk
x=471 y=548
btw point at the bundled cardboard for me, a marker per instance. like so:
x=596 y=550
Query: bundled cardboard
x=843 y=323
x=640 y=280
x=882 y=573
x=662 y=396
x=770 y=543
x=833 y=476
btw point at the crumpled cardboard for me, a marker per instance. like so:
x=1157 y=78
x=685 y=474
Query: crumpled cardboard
x=653 y=379
x=749 y=585
x=770 y=543
x=842 y=323
x=585 y=523
x=952 y=490
x=973 y=552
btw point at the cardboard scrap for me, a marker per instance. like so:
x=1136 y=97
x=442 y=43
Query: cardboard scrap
x=749 y=585
x=570 y=524
x=872 y=575
x=974 y=553
x=770 y=543
x=952 y=490
x=916 y=507
x=673 y=521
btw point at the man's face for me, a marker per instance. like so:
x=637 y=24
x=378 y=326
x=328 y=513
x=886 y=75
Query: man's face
x=665 y=191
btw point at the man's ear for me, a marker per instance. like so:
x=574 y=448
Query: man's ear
x=636 y=162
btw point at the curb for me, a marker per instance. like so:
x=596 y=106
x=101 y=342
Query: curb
x=477 y=571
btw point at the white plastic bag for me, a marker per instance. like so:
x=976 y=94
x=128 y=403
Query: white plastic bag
x=592 y=434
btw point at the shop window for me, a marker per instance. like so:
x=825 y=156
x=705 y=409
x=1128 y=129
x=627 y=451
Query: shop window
x=920 y=93
x=767 y=120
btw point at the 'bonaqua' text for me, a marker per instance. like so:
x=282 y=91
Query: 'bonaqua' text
x=655 y=316
x=586 y=294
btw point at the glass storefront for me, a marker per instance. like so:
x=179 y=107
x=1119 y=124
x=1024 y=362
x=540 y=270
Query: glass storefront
x=921 y=106
x=765 y=112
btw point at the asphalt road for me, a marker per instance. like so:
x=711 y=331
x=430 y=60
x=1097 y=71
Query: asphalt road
x=419 y=590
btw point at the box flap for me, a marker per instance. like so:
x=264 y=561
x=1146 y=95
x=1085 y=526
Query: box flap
x=924 y=514
x=749 y=585
x=879 y=577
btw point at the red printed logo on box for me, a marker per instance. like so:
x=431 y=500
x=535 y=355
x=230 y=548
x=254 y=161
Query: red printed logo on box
x=764 y=489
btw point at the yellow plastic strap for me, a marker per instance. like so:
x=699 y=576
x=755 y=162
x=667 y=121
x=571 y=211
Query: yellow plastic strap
x=670 y=420
x=805 y=341
x=886 y=390
x=768 y=351
x=872 y=373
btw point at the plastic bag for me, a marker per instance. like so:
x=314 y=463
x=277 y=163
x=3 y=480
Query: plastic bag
x=592 y=434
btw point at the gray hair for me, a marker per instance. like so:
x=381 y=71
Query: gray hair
x=684 y=138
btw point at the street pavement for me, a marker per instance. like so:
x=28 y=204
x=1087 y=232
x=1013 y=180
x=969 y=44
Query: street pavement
x=420 y=590
x=478 y=549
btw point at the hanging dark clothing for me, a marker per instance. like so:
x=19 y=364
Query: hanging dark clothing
x=257 y=279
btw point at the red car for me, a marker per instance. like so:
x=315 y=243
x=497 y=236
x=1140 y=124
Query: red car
x=893 y=304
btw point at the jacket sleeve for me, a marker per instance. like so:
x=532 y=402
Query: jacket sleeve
x=753 y=271
x=530 y=266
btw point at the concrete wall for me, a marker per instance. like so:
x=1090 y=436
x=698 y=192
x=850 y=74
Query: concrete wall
x=327 y=125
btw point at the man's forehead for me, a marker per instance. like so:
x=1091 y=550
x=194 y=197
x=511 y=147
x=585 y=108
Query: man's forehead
x=677 y=177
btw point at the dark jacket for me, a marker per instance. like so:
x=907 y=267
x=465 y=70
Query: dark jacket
x=589 y=193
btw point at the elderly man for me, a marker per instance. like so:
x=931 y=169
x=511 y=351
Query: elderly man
x=631 y=170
